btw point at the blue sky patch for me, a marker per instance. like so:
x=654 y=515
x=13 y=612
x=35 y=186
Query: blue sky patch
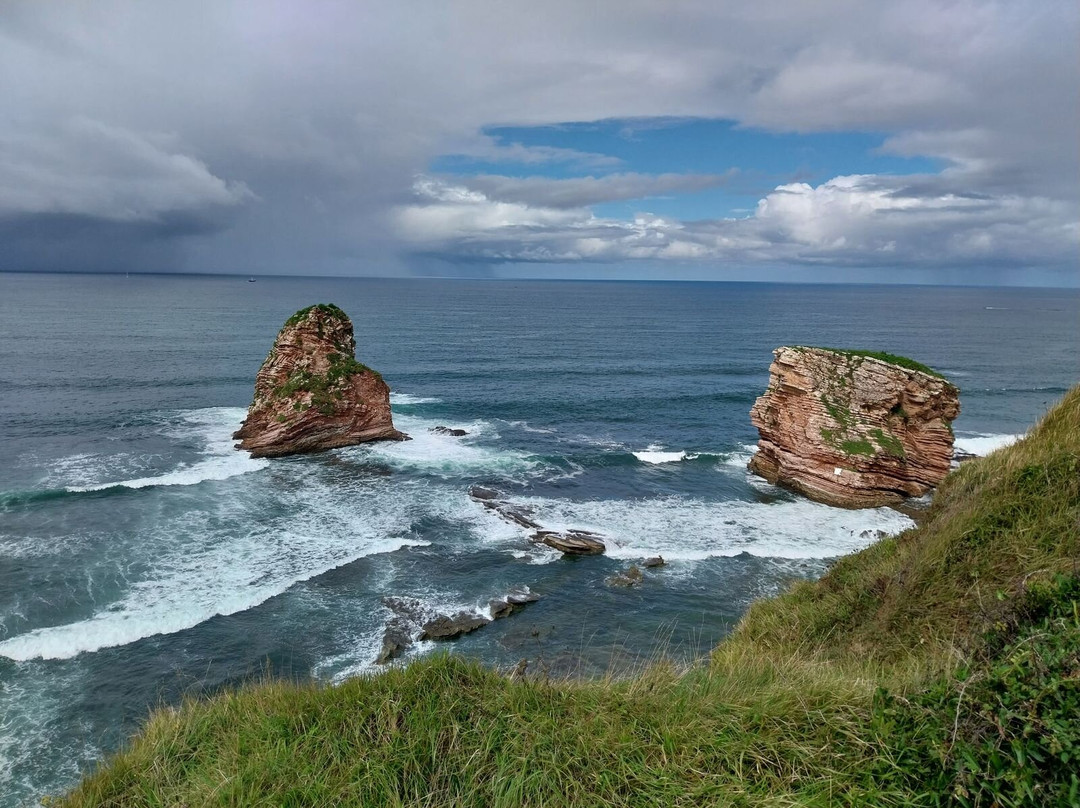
x=761 y=160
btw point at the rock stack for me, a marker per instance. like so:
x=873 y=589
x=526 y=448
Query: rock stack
x=311 y=394
x=853 y=428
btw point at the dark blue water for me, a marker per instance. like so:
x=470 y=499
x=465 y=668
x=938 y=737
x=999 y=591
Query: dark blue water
x=141 y=557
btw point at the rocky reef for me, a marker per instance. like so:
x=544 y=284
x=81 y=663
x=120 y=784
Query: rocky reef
x=413 y=621
x=311 y=394
x=574 y=541
x=854 y=428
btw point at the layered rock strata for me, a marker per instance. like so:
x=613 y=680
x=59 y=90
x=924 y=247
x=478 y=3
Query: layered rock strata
x=311 y=394
x=855 y=429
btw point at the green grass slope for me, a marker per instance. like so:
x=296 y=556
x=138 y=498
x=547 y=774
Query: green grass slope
x=939 y=667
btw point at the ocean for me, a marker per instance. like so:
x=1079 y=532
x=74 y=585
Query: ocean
x=142 y=558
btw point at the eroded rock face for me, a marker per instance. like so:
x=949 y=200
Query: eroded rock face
x=311 y=394
x=852 y=429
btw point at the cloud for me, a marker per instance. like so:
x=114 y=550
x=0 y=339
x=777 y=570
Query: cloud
x=282 y=136
x=860 y=220
x=576 y=192
x=85 y=168
x=486 y=147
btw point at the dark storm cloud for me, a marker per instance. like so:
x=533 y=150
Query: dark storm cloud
x=288 y=136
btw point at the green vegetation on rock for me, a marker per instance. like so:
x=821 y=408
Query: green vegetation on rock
x=835 y=392
x=938 y=667
x=326 y=389
x=326 y=308
x=888 y=442
x=892 y=359
x=857 y=447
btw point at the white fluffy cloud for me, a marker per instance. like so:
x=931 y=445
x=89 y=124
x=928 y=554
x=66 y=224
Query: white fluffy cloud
x=859 y=220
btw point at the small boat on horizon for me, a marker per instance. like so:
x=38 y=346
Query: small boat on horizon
x=251 y=280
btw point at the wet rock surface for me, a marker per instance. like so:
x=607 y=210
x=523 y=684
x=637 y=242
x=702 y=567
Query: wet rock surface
x=571 y=542
x=514 y=601
x=449 y=627
x=492 y=500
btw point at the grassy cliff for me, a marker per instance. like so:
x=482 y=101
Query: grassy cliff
x=938 y=667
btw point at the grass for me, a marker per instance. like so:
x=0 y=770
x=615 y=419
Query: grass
x=938 y=667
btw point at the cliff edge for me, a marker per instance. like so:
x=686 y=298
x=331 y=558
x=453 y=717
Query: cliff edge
x=311 y=394
x=853 y=428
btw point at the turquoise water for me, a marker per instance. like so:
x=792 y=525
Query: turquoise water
x=142 y=557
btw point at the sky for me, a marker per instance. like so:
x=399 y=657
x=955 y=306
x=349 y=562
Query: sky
x=839 y=140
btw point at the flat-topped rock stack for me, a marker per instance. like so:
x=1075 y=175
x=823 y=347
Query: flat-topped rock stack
x=311 y=394
x=854 y=428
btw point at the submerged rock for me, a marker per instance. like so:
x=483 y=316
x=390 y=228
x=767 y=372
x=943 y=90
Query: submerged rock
x=449 y=431
x=311 y=394
x=632 y=576
x=853 y=429
x=655 y=561
x=518 y=514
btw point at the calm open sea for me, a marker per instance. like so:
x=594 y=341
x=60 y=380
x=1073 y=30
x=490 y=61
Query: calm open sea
x=142 y=557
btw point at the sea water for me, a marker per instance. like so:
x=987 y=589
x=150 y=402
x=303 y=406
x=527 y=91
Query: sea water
x=143 y=558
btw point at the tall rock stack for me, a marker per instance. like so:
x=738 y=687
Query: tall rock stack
x=311 y=394
x=853 y=428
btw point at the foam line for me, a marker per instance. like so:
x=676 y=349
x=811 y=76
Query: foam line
x=444 y=455
x=179 y=600
x=213 y=427
x=690 y=529
x=405 y=399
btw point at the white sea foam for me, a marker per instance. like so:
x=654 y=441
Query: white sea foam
x=32 y=720
x=524 y=426
x=359 y=657
x=220 y=560
x=655 y=454
x=182 y=598
x=407 y=399
x=982 y=444
x=213 y=427
x=690 y=529
x=444 y=455
x=202 y=565
x=740 y=458
x=79 y=469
